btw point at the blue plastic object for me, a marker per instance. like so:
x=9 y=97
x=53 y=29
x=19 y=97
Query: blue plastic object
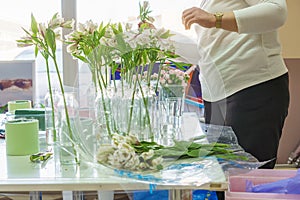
x=164 y=195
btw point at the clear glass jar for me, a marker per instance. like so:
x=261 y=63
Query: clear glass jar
x=51 y=115
x=69 y=128
x=103 y=114
x=171 y=107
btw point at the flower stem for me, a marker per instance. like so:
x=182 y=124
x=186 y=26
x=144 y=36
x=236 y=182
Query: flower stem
x=66 y=108
x=103 y=102
x=159 y=73
x=145 y=101
x=150 y=69
x=131 y=107
x=51 y=98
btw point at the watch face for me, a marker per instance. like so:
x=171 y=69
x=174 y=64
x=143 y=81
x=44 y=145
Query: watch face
x=219 y=14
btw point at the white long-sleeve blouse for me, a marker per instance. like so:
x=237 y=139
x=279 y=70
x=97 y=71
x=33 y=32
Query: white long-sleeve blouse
x=230 y=61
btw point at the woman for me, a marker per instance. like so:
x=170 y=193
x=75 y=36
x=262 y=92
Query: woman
x=242 y=73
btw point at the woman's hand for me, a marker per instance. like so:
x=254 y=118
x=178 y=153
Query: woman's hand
x=199 y=16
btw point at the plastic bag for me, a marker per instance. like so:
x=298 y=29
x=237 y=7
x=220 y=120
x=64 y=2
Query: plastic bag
x=226 y=135
x=285 y=186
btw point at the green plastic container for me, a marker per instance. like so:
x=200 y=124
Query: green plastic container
x=34 y=113
x=21 y=137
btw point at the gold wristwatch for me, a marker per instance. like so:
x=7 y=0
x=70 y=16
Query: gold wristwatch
x=218 y=16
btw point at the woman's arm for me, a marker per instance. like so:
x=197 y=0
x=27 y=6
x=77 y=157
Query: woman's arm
x=260 y=16
x=208 y=20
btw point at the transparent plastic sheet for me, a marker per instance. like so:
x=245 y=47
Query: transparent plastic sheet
x=83 y=140
x=225 y=134
x=186 y=172
x=189 y=171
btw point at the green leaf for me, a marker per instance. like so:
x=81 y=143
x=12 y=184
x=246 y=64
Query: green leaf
x=146 y=143
x=3 y=108
x=114 y=29
x=195 y=145
x=144 y=56
x=182 y=145
x=50 y=39
x=120 y=28
x=159 y=167
x=122 y=46
x=231 y=157
x=221 y=150
x=102 y=30
x=198 y=137
x=114 y=67
x=181 y=65
x=145 y=146
x=36 y=51
x=82 y=58
x=168 y=152
x=27 y=32
x=45 y=54
x=55 y=16
x=224 y=145
x=198 y=153
x=34 y=26
x=166 y=35
x=144 y=26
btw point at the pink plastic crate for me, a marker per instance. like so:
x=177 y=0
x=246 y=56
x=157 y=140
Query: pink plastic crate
x=237 y=184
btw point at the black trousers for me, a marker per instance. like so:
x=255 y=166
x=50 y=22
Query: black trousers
x=256 y=115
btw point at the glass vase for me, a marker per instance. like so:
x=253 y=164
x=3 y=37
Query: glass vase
x=51 y=100
x=69 y=129
x=146 y=117
x=171 y=107
x=120 y=109
x=103 y=115
x=125 y=110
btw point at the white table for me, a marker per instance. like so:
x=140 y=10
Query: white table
x=19 y=174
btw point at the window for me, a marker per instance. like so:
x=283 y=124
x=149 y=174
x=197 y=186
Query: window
x=15 y=14
x=167 y=12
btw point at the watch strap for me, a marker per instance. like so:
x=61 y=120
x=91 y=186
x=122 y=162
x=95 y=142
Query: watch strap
x=219 y=16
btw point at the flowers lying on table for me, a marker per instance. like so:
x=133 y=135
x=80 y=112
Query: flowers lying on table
x=127 y=152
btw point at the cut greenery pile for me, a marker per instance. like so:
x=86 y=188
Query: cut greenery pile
x=127 y=152
x=190 y=149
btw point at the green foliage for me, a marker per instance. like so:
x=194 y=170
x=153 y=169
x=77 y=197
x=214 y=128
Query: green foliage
x=189 y=149
x=43 y=37
x=145 y=12
x=50 y=40
x=34 y=26
x=3 y=109
x=145 y=146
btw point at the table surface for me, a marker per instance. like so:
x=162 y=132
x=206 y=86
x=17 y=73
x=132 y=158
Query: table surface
x=18 y=173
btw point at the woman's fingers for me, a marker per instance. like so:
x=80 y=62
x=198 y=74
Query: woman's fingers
x=196 y=15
